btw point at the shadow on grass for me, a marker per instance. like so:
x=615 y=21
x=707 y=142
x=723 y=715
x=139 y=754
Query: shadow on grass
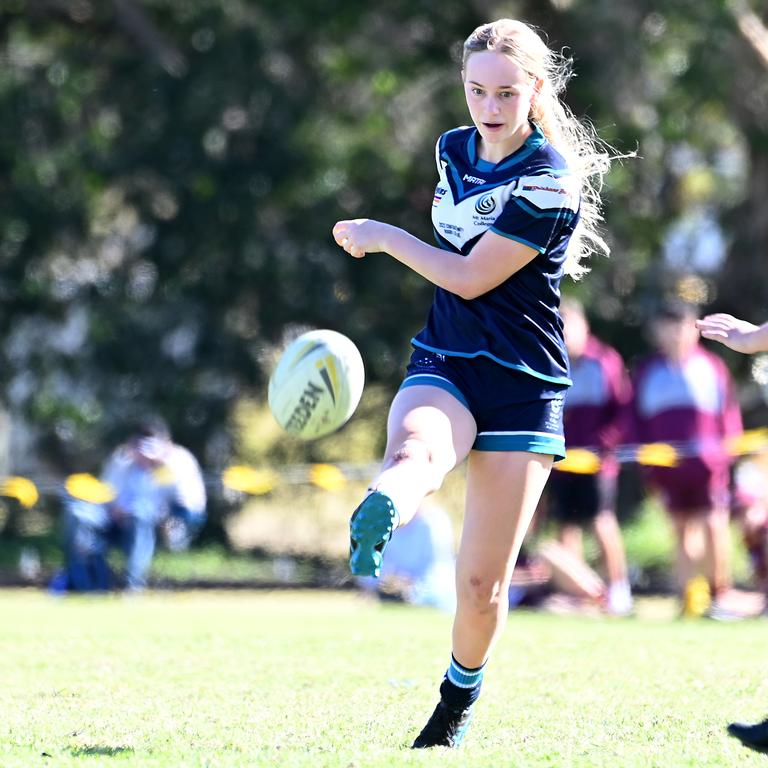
x=99 y=749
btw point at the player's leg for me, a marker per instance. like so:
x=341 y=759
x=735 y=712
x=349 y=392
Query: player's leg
x=609 y=538
x=429 y=431
x=754 y=530
x=503 y=490
x=717 y=538
x=572 y=538
x=570 y=573
x=138 y=544
x=681 y=492
x=688 y=547
x=611 y=543
x=608 y=535
x=86 y=537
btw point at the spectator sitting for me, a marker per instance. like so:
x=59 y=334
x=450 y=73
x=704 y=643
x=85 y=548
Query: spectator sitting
x=420 y=563
x=155 y=483
x=552 y=577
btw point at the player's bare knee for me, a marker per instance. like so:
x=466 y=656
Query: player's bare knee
x=416 y=450
x=412 y=450
x=480 y=594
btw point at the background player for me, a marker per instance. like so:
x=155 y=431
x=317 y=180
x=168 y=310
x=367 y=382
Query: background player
x=594 y=409
x=684 y=395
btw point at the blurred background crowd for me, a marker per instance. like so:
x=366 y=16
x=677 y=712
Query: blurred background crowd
x=171 y=172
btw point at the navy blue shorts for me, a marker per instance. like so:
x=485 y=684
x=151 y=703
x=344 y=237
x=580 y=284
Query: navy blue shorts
x=514 y=411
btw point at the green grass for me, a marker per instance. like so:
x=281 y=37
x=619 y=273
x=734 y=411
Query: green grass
x=331 y=679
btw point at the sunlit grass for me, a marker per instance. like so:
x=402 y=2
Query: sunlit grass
x=324 y=679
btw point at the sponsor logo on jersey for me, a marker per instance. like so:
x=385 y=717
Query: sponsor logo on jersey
x=549 y=193
x=485 y=204
x=473 y=179
x=539 y=188
x=439 y=192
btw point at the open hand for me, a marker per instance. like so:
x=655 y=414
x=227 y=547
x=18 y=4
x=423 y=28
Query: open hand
x=729 y=330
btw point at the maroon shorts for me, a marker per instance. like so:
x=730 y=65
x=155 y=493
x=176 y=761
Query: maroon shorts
x=692 y=486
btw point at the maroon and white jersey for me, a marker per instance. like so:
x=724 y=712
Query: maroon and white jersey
x=690 y=404
x=596 y=403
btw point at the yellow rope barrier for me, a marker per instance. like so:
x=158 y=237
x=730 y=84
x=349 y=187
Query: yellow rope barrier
x=260 y=481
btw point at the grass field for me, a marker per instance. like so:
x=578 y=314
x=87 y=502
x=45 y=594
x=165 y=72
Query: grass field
x=332 y=679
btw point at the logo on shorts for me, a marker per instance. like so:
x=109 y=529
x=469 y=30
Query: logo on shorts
x=427 y=360
x=554 y=420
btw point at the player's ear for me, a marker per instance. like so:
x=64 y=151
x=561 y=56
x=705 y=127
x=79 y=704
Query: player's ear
x=538 y=84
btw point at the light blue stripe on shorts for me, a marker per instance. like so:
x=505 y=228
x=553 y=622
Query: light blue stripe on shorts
x=533 y=442
x=432 y=380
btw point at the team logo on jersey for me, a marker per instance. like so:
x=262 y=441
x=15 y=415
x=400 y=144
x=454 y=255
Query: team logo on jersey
x=473 y=179
x=486 y=204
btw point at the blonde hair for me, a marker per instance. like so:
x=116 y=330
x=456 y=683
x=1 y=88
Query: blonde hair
x=586 y=154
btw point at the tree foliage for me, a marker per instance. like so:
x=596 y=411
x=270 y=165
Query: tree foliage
x=171 y=172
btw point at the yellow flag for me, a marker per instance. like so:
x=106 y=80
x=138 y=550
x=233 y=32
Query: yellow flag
x=327 y=476
x=21 y=489
x=751 y=441
x=580 y=461
x=657 y=455
x=255 y=482
x=89 y=488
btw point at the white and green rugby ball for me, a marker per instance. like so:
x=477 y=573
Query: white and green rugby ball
x=317 y=384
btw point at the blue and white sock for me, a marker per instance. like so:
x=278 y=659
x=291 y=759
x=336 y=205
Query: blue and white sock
x=461 y=686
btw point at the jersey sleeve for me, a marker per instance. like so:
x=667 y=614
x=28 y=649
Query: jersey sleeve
x=538 y=209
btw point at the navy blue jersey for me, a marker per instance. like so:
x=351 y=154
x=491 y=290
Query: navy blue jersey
x=531 y=197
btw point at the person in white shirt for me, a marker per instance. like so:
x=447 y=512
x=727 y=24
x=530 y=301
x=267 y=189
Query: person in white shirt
x=155 y=482
x=421 y=562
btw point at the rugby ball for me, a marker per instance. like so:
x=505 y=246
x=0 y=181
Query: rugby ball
x=316 y=384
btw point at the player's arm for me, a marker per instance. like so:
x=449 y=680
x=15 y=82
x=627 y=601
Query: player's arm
x=734 y=333
x=493 y=259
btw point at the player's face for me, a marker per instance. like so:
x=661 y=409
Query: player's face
x=676 y=338
x=499 y=96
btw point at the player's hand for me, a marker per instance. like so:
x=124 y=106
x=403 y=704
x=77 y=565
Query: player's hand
x=729 y=330
x=359 y=236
